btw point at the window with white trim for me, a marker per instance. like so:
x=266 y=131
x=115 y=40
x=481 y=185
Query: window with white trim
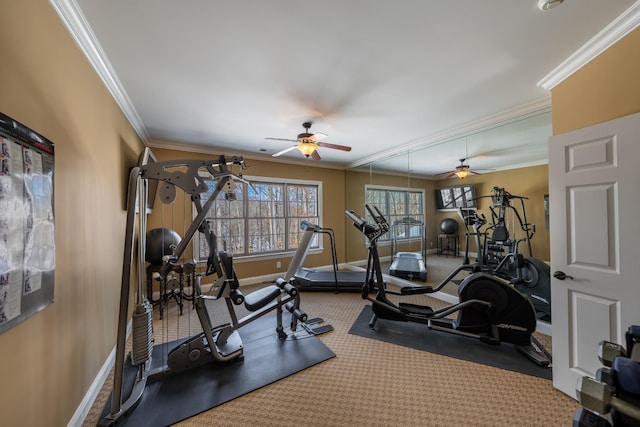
x=403 y=209
x=264 y=218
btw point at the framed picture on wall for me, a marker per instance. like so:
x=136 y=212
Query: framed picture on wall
x=27 y=232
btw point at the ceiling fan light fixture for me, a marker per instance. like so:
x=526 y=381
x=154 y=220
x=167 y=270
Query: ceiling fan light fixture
x=462 y=173
x=306 y=148
x=307 y=143
x=548 y=4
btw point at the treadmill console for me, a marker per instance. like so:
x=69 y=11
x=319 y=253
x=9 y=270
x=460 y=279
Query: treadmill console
x=306 y=225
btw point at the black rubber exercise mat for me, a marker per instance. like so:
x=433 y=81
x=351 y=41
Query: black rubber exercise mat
x=419 y=337
x=266 y=360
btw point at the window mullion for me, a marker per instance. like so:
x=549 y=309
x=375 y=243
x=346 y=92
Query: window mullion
x=245 y=217
x=285 y=213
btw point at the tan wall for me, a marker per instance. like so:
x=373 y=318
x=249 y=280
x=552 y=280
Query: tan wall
x=50 y=360
x=606 y=88
x=332 y=209
x=531 y=182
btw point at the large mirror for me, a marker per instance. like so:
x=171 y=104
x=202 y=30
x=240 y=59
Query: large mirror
x=508 y=164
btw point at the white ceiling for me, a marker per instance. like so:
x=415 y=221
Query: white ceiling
x=380 y=76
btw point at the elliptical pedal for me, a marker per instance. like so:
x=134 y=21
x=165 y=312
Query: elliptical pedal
x=419 y=310
x=536 y=353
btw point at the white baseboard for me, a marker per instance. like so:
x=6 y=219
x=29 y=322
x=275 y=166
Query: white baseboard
x=97 y=384
x=544 y=328
x=92 y=393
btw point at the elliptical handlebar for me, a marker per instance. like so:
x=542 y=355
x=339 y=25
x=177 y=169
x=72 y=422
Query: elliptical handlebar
x=372 y=231
x=358 y=221
x=377 y=215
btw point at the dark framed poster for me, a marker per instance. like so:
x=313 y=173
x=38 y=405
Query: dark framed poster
x=27 y=246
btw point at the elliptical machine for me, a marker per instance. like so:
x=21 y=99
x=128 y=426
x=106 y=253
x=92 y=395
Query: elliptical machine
x=499 y=254
x=489 y=310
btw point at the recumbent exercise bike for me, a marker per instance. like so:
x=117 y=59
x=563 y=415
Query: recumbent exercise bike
x=489 y=309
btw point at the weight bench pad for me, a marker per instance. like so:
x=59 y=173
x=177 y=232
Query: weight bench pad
x=260 y=298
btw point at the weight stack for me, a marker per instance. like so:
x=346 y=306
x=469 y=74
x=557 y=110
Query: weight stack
x=142 y=333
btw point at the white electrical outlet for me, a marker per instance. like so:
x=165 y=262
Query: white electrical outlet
x=278 y=264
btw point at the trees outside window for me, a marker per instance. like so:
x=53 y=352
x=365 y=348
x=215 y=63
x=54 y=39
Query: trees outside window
x=400 y=206
x=264 y=218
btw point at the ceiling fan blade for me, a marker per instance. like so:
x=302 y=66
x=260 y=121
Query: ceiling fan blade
x=283 y=139
x=334 y=146
x=315 y=155
x=317 y=136
x=474 y=172
x=452 y=173
x=444 y=173
x=280 y=153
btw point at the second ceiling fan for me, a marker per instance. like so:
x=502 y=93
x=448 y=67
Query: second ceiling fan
x=461 y=171
x=307 y=143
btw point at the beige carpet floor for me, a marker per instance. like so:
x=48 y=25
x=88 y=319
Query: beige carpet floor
x=372 y=383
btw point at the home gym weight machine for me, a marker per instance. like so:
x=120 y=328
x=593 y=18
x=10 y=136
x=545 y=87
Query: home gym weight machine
x=499 y=254
x=497 y=243
x=215 y=343
x=489 y=310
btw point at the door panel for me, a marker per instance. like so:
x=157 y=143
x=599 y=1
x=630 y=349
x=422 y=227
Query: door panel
x=597 y=318
x=594 y=198
x=593 y=243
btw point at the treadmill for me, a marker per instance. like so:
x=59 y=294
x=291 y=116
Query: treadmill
x=308 y=279
x=408 y=265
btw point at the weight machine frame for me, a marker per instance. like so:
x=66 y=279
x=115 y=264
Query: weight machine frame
x=221 y=343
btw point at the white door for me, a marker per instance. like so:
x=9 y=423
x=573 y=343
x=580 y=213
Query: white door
x=594 y=202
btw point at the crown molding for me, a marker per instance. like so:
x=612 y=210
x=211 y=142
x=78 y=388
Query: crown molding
x=606 y=38
x=535 y=107
x=77 y=25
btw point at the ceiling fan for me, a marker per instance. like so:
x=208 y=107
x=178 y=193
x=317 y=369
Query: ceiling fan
x=307 y=143
x=461 y=171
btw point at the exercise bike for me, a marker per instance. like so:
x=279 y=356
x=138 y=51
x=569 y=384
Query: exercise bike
x=489 y=310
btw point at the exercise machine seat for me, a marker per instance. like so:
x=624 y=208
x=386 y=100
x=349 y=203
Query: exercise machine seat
x=500 y=234
x=261 y=297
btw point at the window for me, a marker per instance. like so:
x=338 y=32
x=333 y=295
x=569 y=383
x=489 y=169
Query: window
x=403 y=209
x=454 y=198
x=264 y=218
